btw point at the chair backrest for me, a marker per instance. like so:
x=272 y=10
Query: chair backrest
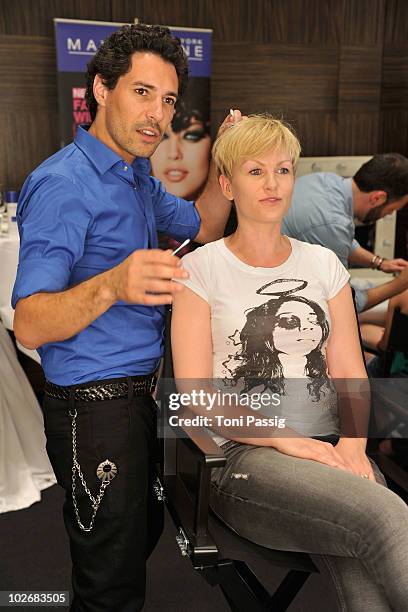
x=188 y=456
x=353 y=293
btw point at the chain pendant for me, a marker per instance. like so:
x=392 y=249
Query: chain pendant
x=106 y=471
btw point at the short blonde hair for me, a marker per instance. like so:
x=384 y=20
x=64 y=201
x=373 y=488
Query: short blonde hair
x=252 y=137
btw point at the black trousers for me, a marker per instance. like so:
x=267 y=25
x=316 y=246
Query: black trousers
x=109 y=563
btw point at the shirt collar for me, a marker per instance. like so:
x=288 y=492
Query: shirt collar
x=101 y=156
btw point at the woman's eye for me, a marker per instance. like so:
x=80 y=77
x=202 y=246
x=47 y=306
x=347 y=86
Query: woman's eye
x=141 y=91
x=194 y=135
x=288 y=322
x=283 y=170
x=255 y=172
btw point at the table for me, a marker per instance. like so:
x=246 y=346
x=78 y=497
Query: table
x=9 y=247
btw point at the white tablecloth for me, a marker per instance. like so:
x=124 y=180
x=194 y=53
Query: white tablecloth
x=25 y=469
x=24 y=466
x=9 y=246
x=8 y=267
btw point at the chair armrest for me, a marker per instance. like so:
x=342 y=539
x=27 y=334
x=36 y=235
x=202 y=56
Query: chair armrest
x=202 y=446
x=192 y=456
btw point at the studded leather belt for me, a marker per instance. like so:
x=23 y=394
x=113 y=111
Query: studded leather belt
x=103 y=390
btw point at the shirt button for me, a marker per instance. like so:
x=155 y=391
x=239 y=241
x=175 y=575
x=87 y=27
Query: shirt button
x=125 y=168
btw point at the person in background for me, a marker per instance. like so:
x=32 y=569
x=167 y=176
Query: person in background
x=323 y=209
x=88 y=295
x=268 y=311
x=376 y=337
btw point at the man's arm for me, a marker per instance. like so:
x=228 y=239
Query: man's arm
x=212 y=206
x=376 y=295
x=362 y=257
x=142 y=278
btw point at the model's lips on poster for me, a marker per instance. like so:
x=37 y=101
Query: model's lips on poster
x=175 y=175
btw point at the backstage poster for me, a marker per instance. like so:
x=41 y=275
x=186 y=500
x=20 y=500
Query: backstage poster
x=182 y=159
x=76 y=42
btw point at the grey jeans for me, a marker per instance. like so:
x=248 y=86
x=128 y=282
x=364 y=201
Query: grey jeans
x=357 y=528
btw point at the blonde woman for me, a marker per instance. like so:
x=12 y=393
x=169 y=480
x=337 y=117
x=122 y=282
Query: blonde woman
x=262 y=311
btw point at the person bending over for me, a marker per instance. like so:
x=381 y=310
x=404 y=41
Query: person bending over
x=323 y=209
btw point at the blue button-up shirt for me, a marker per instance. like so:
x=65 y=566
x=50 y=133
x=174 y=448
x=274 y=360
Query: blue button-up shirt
x=322 y=213
x=81 y=212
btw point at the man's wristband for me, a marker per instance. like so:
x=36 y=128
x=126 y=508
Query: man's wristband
x=381 y=263
x=376 y=262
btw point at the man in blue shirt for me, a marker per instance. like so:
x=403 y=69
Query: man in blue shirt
x=324 y=206
x=89 y=294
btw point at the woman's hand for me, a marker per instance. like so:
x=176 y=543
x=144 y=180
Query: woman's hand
x=352 y=452
x=307 y=448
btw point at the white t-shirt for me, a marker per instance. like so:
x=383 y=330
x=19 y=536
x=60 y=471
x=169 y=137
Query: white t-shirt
x=273 y=324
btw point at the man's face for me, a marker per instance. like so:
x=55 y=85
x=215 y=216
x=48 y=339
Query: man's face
x=140 y=107
x=384 y=209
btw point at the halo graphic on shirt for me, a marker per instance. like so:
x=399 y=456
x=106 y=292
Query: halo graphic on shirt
x=293 y=285
x=287 y=324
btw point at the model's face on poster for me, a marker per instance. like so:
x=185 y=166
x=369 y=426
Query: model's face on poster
x=182 y=160
x=140 y=107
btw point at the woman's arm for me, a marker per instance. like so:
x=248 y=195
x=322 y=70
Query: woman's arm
x=193 y=362
x=346 y=368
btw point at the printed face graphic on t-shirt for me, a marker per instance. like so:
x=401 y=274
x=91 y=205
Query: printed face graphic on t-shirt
x=281 y=338
x=297 y=329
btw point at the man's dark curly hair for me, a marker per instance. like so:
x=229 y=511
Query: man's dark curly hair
x=387 y=172
x=113 y=58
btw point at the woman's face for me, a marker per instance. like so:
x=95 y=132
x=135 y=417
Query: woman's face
x=182 y=159
x=296 y=329
x=261 y=188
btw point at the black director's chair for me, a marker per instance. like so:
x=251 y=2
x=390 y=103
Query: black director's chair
x=218 y=553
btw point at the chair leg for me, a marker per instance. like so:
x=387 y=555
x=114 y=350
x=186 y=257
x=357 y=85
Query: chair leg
x=243 y=591
x=241 y=588
x=287 y=590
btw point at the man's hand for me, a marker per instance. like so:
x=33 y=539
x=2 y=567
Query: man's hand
x=230 y=120
x=393 y=265
x=352 y=452
x=145 y=277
